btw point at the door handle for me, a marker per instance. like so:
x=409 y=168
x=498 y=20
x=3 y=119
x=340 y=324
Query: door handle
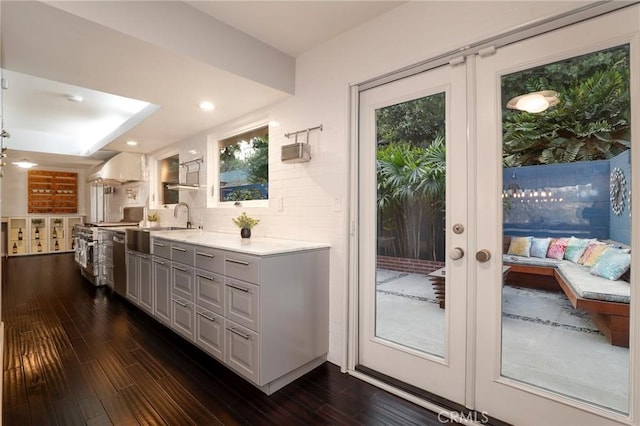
x=456 y=253
x=483 y=255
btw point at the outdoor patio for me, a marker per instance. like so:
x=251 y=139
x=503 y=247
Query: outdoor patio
x=546 y=342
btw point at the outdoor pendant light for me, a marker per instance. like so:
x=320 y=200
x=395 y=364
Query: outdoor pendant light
x=534 y=102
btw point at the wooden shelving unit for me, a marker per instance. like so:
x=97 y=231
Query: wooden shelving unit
x=52 y=192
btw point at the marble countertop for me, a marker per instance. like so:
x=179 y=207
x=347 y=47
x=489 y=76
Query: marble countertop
x=255 y=245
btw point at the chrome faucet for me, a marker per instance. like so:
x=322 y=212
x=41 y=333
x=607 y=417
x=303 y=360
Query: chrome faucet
x=175 y=212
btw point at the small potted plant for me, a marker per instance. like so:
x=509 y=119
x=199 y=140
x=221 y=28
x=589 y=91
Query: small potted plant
x=153 y=219
x=245 y=223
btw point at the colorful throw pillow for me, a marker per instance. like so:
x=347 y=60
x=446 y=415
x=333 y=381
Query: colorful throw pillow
x=539 y=247
x=557 y=246
x=612 y=263
x=575 y=248
x=520 y=246
x=592 y=253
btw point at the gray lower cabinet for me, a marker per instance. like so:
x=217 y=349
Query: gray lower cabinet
x=161 y=280
x=209 y=332
x=266 y=317
x=145 y=294
x=133 y=277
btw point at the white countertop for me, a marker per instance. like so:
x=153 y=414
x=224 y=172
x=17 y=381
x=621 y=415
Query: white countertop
x=233 y=242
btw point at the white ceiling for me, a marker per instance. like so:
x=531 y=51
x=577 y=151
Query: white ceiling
x=49 y=43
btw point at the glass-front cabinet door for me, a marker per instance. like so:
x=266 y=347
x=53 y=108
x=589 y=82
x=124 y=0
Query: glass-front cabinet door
x=38 y=235
x=68 y=232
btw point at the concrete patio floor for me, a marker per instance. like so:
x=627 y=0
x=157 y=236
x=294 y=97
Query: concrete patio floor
x=546 y=343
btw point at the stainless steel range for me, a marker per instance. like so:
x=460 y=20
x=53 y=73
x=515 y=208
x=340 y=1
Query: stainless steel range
x=93 y=244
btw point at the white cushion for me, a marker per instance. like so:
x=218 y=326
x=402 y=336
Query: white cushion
x=590 y=286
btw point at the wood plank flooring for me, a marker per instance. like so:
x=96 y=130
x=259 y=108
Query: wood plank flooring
x=79 y=355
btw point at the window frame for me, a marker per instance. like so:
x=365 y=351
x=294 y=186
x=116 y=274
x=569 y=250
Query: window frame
x=213 y=152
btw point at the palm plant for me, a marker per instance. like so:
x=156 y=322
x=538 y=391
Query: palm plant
x=411 y=192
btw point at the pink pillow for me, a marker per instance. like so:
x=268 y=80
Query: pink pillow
x=557 y=248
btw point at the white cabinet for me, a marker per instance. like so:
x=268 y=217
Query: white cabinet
x=40 y=235
x=161 y=283
x=18 y=236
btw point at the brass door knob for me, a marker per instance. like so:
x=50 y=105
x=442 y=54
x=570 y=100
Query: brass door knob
x=483 y=255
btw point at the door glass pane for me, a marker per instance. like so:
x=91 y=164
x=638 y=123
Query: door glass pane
x=567 y=227
x=411 y=174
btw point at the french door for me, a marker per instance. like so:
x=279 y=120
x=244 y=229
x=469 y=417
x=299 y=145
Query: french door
x=439 y=306
x=410 y=329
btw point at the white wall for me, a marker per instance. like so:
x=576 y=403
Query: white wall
x=15 y=188
x=315 y=194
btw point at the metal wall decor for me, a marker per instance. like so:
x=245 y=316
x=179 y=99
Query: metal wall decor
x=617 y=190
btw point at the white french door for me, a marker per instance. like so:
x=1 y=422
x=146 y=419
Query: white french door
x=404 y=332
x=552 y=372
x=494 y=346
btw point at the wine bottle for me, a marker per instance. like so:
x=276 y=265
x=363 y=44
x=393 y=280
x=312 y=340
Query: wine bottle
x=14 y=250
x=54 y=234
x=73 y=244
x=37 y=236
x=19 y=234
x=39 y=247
x=57 y=246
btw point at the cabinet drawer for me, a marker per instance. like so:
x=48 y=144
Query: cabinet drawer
x=183 y=253
x=182 y=281
x=182 y=317
x=242 y=348
x=209 y=332
x=210 y=291
x=161 y=248
x=242 y=303
x=242 y=267
x=209 y=259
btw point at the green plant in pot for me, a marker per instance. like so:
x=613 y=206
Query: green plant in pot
x=153 y=219
x=245 y=223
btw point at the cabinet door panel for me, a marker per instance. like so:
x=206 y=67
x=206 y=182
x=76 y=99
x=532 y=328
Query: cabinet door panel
x=242 y=351
x=162 y=290
x=210 y=291
x=161 y=248
x=242 y=267
x=183 y=254
x=209 y=333
x=132 y=277
x=182 y=317
x=209 y=259
x=182 y=280
x=145 y=296
x=242 y=303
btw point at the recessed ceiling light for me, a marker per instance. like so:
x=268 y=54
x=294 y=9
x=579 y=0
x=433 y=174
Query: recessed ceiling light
x=25 y=164
x=132 y=143
x=193 y=151
x=76 y=99
x=206 y=106
x=274 y=123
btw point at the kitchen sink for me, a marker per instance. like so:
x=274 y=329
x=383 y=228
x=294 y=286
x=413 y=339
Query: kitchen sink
x=139 y=239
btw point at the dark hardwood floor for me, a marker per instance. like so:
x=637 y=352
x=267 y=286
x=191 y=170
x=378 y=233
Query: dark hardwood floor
x=75 y=354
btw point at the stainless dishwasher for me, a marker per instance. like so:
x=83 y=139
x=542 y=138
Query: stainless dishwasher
x=119 y=267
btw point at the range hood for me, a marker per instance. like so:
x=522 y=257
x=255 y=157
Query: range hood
x=124 y=167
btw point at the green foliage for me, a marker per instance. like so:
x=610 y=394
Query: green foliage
x=244 y=194
x=244 y=221
x=411 y=192
x=419 y=121
x=591 y=122
x=258 y=162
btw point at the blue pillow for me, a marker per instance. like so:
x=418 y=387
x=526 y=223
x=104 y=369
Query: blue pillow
x=539 y=247
x=612 y=263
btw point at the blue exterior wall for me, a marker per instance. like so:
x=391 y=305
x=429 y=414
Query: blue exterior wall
x=578 y=206
x=620 y=225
